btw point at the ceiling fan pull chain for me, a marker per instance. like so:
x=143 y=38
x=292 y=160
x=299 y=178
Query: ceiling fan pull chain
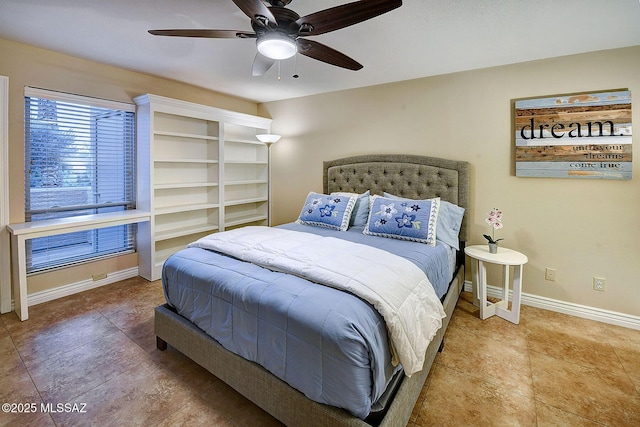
x=279 y=70
x=295 y=67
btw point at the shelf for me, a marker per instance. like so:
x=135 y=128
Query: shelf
x=246 y=182
x=185 y=208
x=184 y=231
x=184 y=180
x=245 y=201
x=246 y=162
x=162 y=254
x=184 y=185
x=185 y=135
x=160 y=263
x=204 y=161
x=245 y=220
x=243 y=141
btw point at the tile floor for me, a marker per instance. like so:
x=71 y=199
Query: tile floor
x=96 y=350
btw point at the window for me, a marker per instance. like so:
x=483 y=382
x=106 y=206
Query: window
x=79 y=160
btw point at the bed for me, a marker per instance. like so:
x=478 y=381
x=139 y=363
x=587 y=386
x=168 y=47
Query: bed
x=404 y=176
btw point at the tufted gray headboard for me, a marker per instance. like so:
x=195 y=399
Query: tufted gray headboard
x=411 y=176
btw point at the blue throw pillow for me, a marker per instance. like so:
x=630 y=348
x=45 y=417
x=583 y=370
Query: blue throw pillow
x=360 y=212
x=330 y=211
x=449 y=222
x=413 y=220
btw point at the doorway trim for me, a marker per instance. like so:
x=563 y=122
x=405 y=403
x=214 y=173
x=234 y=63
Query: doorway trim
x=5 y=253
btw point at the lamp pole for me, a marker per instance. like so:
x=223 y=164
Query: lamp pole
x=268 y=140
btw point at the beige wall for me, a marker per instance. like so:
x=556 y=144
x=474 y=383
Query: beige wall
x=582 y=228
x=29 y=66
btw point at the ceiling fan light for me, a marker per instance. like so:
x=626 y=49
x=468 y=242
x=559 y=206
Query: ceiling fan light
x=276 y=46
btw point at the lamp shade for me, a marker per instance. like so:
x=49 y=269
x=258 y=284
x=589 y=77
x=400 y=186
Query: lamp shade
x=276 y=45
x=268 y=138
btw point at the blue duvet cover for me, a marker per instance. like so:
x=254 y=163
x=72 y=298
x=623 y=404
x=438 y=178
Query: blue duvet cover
x=329 y=344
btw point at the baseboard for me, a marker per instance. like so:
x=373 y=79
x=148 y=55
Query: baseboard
x=586 y=312
x=84 y=285
x=592 y=313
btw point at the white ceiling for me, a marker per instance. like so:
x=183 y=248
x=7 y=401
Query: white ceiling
x=422 y=38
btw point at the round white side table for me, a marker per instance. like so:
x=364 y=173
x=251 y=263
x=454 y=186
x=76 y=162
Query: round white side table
x=508 y=258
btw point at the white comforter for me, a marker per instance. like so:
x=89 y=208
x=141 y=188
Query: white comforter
x=396 y=287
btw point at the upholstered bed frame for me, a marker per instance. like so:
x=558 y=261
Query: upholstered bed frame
x=403 y=175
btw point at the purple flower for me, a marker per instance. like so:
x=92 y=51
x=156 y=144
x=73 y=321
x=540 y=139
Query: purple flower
x=495 y=218
x=495 y=221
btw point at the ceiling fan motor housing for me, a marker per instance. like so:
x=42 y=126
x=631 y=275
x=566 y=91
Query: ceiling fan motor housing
x=280 y=3
x=284 y=18
x=276 y=40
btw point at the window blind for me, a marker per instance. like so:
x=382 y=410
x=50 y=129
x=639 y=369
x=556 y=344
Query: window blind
x=79 y=160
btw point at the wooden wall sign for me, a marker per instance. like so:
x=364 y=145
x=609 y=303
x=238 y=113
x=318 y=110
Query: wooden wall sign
x=574 y=136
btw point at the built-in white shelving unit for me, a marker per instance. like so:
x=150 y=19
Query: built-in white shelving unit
x=200 y=170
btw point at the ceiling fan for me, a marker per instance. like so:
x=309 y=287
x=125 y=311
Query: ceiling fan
x=279 y=31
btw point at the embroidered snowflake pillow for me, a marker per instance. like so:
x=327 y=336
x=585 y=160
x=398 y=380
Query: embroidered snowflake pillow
x=413 y=220
x=330 y=211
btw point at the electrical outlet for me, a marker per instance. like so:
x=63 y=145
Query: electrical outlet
x=599 y=284
x=550 y=274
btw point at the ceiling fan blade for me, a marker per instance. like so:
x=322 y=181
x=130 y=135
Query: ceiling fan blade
x=255 y=9
x=324 y=53
x=342 y=16
x=212 y=34
x=261 y=64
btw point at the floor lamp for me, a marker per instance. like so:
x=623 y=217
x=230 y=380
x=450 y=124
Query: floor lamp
x=268 y=139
